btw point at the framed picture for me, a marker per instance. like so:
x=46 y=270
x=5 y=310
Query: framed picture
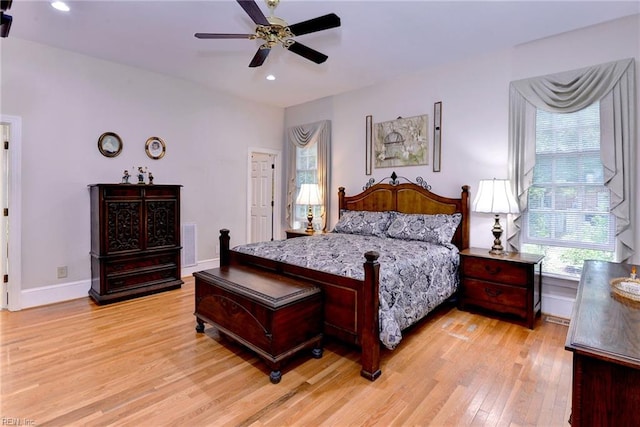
x=155 y=148
x=109 y=144
x=368 y=148
x=437 y=136
x=402 y=142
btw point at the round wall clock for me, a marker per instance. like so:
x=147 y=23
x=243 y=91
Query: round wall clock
x=155 y=148
x=109 y=144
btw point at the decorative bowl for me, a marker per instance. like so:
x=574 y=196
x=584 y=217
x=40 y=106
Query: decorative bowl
x=626 y=287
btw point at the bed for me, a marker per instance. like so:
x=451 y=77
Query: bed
x=378 y=227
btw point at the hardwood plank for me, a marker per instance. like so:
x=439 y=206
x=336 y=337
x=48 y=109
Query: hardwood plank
x=140 y=362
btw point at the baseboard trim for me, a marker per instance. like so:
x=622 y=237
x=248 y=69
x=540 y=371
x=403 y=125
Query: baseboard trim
x=51 y=294
x=557 y=305
x=206 y=264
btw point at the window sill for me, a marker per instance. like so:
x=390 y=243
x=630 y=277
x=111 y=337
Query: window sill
x=560 y=280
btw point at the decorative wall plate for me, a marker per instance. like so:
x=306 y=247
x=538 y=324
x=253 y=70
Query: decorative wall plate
x=155 y=148
x=109 y=144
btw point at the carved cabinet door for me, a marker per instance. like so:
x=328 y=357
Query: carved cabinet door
x=123 y=226
x=162 y=224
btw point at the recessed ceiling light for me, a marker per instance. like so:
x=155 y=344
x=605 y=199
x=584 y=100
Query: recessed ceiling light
x=271 y=77
x=60 y=5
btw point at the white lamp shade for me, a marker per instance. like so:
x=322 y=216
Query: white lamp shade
x=309 y=195
x=495 y=196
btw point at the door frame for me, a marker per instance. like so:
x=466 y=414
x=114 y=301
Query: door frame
x=277 y=185
x=15 y=212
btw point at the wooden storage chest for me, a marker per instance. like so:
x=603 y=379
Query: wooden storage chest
x=273 y=315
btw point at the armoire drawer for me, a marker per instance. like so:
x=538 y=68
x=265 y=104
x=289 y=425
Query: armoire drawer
x=136 y=263
x=116 y=283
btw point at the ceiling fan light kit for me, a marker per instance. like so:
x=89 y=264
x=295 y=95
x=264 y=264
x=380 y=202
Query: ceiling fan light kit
x=274 y=30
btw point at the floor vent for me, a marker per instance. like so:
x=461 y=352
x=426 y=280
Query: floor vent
x=557 y=320
x=189 y=257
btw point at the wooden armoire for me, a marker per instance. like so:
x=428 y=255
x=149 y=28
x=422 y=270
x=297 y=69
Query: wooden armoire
x=135 y=240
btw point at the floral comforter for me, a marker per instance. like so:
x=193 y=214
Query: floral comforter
x=415 y=276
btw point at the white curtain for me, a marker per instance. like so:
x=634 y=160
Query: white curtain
x=613 y=85
x=305 y=136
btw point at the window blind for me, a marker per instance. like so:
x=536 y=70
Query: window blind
x=568 y=204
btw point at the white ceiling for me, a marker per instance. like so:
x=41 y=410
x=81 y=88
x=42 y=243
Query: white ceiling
x=378 y=40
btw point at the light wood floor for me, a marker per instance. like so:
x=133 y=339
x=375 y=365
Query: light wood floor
x=141 y=363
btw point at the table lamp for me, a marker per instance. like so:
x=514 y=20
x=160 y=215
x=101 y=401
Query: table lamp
x=309 y=195
x=495 y=196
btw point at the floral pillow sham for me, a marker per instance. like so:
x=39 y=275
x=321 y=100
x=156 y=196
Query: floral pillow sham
x=364 y=223
x=438 y=228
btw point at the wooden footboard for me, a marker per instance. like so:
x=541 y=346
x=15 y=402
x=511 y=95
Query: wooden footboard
x=350 y=306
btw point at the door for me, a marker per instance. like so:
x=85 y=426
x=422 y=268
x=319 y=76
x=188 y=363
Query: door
x=262 y=197
x=10 y=190
x=4 y=213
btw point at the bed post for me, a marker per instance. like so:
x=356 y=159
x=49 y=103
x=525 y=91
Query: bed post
x=465 y=214
x=370 y=342
x=224 y=248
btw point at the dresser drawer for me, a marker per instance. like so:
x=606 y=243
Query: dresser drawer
x=495 y=271
x=488 y=292
x=117 y=283
x=131 y=264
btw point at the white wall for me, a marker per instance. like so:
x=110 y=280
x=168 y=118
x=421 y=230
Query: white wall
x=66 y=101
x=474 y=95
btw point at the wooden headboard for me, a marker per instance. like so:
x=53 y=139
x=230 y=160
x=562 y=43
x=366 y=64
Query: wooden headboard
x=410 y=198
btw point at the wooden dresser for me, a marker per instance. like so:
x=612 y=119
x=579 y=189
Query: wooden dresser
x=508 y=284
x=135 y=240
x=604 y=336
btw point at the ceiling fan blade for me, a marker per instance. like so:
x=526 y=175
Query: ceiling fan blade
x=260 y=56
x=307 y=52
x=254 y=11
x=222 y=36
x=316 y=24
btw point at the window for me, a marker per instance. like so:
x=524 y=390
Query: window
x=308 y=158
x=568 y=217
x=306 y=173
x=556 y=154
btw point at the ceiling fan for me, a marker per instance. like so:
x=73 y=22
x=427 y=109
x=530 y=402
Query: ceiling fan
x=274 y=30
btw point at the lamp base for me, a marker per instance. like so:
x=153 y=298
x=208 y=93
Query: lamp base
x=497 y=248
x=309 y=228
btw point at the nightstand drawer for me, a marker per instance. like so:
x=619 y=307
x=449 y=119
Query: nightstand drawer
x=480 y=291
x=496 y=271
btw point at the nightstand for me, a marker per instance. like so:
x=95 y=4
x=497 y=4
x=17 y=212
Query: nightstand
x=300 y=232
x=508 y=284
